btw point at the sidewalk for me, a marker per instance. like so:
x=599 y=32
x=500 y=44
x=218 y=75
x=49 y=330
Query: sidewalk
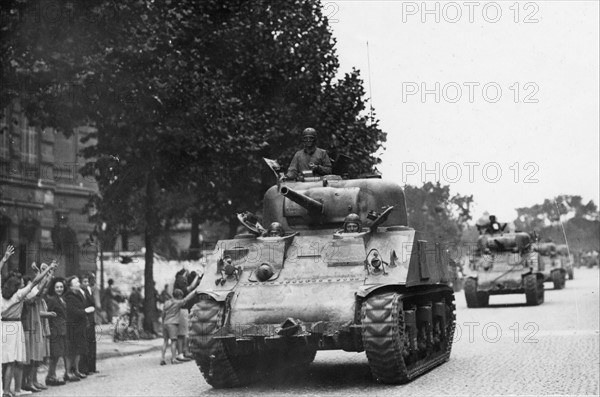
x=107 y=348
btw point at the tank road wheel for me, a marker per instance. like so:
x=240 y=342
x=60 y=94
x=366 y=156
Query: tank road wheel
x=559 y=279
x=219 y=368
x=534 y=290
x=403 y=344
x=471 y=295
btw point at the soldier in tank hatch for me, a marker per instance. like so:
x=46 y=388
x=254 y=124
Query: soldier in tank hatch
x=275 y=230
x=311 y=158
x=352 y=224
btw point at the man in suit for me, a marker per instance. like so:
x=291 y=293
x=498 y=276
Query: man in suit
x=88 y=362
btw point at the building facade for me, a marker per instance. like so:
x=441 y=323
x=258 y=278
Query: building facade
x=43 y=196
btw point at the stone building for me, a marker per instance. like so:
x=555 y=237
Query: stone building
x=42 y=196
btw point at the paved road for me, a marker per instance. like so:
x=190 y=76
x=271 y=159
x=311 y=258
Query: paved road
x=506 y=349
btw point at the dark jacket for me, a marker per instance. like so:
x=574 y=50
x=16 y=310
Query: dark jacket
x=76 y=322
x=58 y=324
x=89 y=302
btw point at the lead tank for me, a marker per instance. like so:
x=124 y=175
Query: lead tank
x=504 y=263
x=267 y=303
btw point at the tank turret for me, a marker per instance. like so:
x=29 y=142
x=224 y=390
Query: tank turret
x=507 y=242
x=546 y=249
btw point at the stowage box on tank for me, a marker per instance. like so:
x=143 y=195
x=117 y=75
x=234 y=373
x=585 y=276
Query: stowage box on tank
x=272 y=302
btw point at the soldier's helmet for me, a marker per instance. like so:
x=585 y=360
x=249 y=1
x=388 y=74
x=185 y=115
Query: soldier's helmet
x=309 y=132
x=275 y=230
x=352 y=224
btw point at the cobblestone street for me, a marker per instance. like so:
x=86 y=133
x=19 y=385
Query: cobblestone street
x=506 y=349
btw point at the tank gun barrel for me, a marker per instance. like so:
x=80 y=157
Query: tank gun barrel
x=312 y=205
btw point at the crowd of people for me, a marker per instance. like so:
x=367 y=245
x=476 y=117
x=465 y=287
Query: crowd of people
x=46 y=318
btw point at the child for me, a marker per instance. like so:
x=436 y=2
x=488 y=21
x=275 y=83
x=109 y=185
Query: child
x=170 y=320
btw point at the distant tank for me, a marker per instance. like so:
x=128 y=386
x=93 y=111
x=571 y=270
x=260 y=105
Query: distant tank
x=504 y=263
x=567 y=260
x=273 y=302
x=551 y=265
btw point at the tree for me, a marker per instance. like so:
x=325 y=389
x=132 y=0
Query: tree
x=564 y=215
x=439 y=216
x=185 y=96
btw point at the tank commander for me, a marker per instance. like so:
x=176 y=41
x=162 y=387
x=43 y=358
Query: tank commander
x=352 y=224
x=311 y=158
x=275 y=230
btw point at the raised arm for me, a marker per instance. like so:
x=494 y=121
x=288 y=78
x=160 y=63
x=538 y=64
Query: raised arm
x=9 y=251
x=43 y=274
x=191 y=294
x=195 y=282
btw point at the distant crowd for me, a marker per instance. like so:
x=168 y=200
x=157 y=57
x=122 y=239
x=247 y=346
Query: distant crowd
x=170 y=316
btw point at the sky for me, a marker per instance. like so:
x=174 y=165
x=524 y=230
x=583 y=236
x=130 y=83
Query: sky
x=496 y=99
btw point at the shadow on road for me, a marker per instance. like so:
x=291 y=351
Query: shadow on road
x=319 y=376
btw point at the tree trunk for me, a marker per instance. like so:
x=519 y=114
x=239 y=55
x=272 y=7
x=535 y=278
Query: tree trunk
x=194 y=252
x=149 y=232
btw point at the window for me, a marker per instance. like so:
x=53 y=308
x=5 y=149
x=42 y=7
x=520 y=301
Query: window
x=29 y=141
x=4 y=134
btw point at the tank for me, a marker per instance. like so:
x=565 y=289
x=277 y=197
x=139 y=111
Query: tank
x=504 y=263
x=566 y=259
x=267 y=303
x=551 y=265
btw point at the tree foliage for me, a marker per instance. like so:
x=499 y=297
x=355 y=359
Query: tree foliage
x=186 y=97
x=580 y=221
x=433 y=211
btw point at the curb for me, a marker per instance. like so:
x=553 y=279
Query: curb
x=118 y=353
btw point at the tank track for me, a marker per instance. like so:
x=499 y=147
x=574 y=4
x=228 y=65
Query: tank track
x=220 y=367
x=396 y=354
x=206 y=319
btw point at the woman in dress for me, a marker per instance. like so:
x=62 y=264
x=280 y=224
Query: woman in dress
x=57 y=308
x=35 y=349
x=76 y=327
x=14 y=294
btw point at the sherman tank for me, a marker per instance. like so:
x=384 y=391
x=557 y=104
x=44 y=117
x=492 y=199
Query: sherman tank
x=504 y=263
x=268 y=301
x=566 y=259
x=551 y=265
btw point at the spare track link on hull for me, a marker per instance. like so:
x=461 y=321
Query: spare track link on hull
x=397 y=354
x=206 y=318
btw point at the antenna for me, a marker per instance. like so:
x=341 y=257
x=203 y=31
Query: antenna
x=563 y=229
x=370 y=89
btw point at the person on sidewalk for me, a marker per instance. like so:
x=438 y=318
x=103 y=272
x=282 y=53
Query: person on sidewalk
x=110 y=299
x=77 y=312
x=57 y=307
x=170 y=320
x=35 y=349
x=88 y=362
x=182 y=334
x=135 y=306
